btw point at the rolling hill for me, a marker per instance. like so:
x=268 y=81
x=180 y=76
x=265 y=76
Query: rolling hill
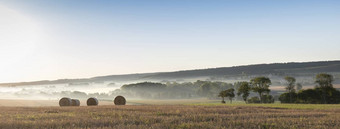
x=275 y=69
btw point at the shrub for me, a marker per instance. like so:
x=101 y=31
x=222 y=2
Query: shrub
x=254 y=100
x=267 y=99
x=288 y=97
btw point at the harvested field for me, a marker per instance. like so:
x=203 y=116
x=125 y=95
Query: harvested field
x=40 y=103
x=168 y=116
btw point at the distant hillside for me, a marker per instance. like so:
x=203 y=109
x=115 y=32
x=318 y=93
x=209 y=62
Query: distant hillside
x=259 y=69
x=278 y=69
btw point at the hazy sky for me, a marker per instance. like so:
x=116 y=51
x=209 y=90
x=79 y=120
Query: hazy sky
x=52 y=39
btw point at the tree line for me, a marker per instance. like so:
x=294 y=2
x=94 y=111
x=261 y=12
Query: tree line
x=255 y=91
x=174 y=90
x=322 y=93
x=259 y=85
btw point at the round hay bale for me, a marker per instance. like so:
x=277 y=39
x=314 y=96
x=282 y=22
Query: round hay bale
x=75 y=102
x=119 y=100
x=65 y=102
x=92 y=102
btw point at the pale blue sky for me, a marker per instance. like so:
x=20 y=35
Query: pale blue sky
x=85 y=38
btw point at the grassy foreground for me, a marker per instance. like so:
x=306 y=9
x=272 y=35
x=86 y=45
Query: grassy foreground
x=169 y=116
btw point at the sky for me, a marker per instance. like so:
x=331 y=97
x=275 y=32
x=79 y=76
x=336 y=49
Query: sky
x=56 y=39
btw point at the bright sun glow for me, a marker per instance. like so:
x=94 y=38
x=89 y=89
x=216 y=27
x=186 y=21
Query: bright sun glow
x=19 y=35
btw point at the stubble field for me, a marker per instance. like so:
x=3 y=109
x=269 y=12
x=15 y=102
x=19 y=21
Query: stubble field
x=173 y=116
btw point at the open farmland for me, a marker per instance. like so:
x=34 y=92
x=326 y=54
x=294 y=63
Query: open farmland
x=171 y=116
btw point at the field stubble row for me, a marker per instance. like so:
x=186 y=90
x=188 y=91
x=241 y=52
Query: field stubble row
x=168 y=116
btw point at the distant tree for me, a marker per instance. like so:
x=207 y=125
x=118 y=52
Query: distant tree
x=230 y=94
x=324 y=83
x=211 y=89
x=144 y=86
x=290 y=87
x=324 y=80
x=205 y=89
x=243 y=89
x=261 y=86
x=298 y=86
x=222 y=94
x=290 y=84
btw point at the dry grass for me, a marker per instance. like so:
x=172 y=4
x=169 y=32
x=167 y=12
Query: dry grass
x=40 y=103
x=168 y=116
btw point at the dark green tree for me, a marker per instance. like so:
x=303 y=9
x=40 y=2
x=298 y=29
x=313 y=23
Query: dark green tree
x=324 y=80
x=286 y=97
x=223 y=94
x=324 y=84
x=230 y=94
x=290 y=87
x=261 y=86
x=309 y=96
x=243 y=89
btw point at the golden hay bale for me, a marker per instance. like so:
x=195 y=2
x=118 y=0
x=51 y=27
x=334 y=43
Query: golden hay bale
x=120 y=100
x=65 y=102
x=92 y=102
x=75 y=102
